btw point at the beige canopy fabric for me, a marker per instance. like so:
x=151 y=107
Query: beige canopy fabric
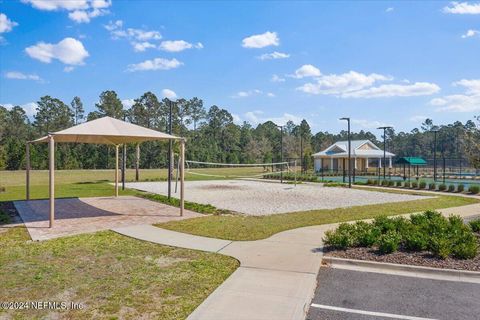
x=107 y=130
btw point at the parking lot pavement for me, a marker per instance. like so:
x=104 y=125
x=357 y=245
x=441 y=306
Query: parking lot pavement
x=345 y=294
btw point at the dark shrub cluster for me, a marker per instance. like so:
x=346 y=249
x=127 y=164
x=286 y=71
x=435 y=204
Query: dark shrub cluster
x=428 y=231
x=475 y=189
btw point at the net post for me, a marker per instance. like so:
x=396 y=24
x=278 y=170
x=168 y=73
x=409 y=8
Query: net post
x=295 y=166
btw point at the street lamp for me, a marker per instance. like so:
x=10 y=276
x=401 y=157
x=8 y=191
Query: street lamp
x=349 y=154
x=384 y=148
x=281 y=152
x=435 y=130
x=170 y=105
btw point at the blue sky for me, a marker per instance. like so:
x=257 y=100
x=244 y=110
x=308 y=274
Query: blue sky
x=378 y=62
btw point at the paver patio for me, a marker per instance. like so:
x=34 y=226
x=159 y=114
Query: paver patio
x=83 y=215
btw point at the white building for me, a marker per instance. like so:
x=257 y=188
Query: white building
x=364 y=155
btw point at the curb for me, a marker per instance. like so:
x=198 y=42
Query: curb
x=402 y=270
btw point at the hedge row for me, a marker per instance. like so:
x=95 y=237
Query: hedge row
x=422 y=185
x=428 y=231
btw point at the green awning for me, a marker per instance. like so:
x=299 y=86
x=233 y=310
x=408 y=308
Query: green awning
x=413 y=161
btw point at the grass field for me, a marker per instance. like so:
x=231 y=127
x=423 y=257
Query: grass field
x=260 y=227
x=40 y=177
x=112 y=276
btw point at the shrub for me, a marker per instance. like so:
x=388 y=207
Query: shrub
x=432 y=186
x=422 y=184
x=416 y=240
x=466 y=249
x=440 y=246
x=442 y=187
x=460 y=188
x=474 y=189
x=475 y=225
x=340 y=238
x=414 y=185
x=399 y=183
x=391 y=183
x=366 y=235
x=369 y=181
x=451 y=188
x=375 y=182
x=389 y=242
x=407 y=184
x=385 y=183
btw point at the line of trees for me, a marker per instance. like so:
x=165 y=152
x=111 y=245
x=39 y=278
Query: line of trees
x=211 y=135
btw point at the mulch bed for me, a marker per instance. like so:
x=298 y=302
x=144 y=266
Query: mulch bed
x=424 y=259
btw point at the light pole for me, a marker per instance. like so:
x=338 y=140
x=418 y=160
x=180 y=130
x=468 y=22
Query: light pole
x=349 y=154
x=435 y=154
x=384 y=149
x=281 y=152
x=170 y=105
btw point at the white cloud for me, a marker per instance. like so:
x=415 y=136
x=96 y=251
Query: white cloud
x=6 y=25
x=142 y=46
x=80 y=11
x=250 y=93
x=155 y=64
x=470 y=33
x=369 y=124
x=140 y=39
x=257 y=116
x=68 y=69
x=261 y=40
x=30 y=108
x=418 y=118
x=237 y=119
x=69 y=51
x=462 y=8
x=341 y=84
x=178 y=45
x=467 y=102
x=395 y=90
x=22 y=76
x=273 y=55
x=128 y=103
x=170 y=94
x=307 y=70
x=390 y=9
x=276 y=78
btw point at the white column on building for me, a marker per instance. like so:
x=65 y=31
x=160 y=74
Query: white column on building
x=379 y=162
x=355 y=159
x=366 y=163
x=331 y=163
x=321 y=163
x=390 y=162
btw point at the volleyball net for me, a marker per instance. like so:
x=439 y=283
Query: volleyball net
x=217 y=170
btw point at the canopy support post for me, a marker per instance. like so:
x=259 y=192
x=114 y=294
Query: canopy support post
x=182 y=176
x=116 y=170
x=137 y=162
x=51 y=186
x=27 y=171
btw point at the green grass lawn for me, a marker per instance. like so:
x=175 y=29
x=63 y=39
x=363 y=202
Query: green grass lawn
x=40 y=177
x=253 y=228
x=113 y=276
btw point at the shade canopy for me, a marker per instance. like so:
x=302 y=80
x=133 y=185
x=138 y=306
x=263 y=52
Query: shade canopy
x=413 y=161
x=107 y=130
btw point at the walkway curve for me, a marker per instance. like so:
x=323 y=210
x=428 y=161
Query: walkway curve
x=276 y=278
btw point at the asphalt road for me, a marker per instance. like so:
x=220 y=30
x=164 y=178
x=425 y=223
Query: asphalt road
x=365 y=295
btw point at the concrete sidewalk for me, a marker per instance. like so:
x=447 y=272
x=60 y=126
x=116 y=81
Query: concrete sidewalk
x=276 y=278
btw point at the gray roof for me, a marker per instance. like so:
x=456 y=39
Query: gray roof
x=340 y=149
